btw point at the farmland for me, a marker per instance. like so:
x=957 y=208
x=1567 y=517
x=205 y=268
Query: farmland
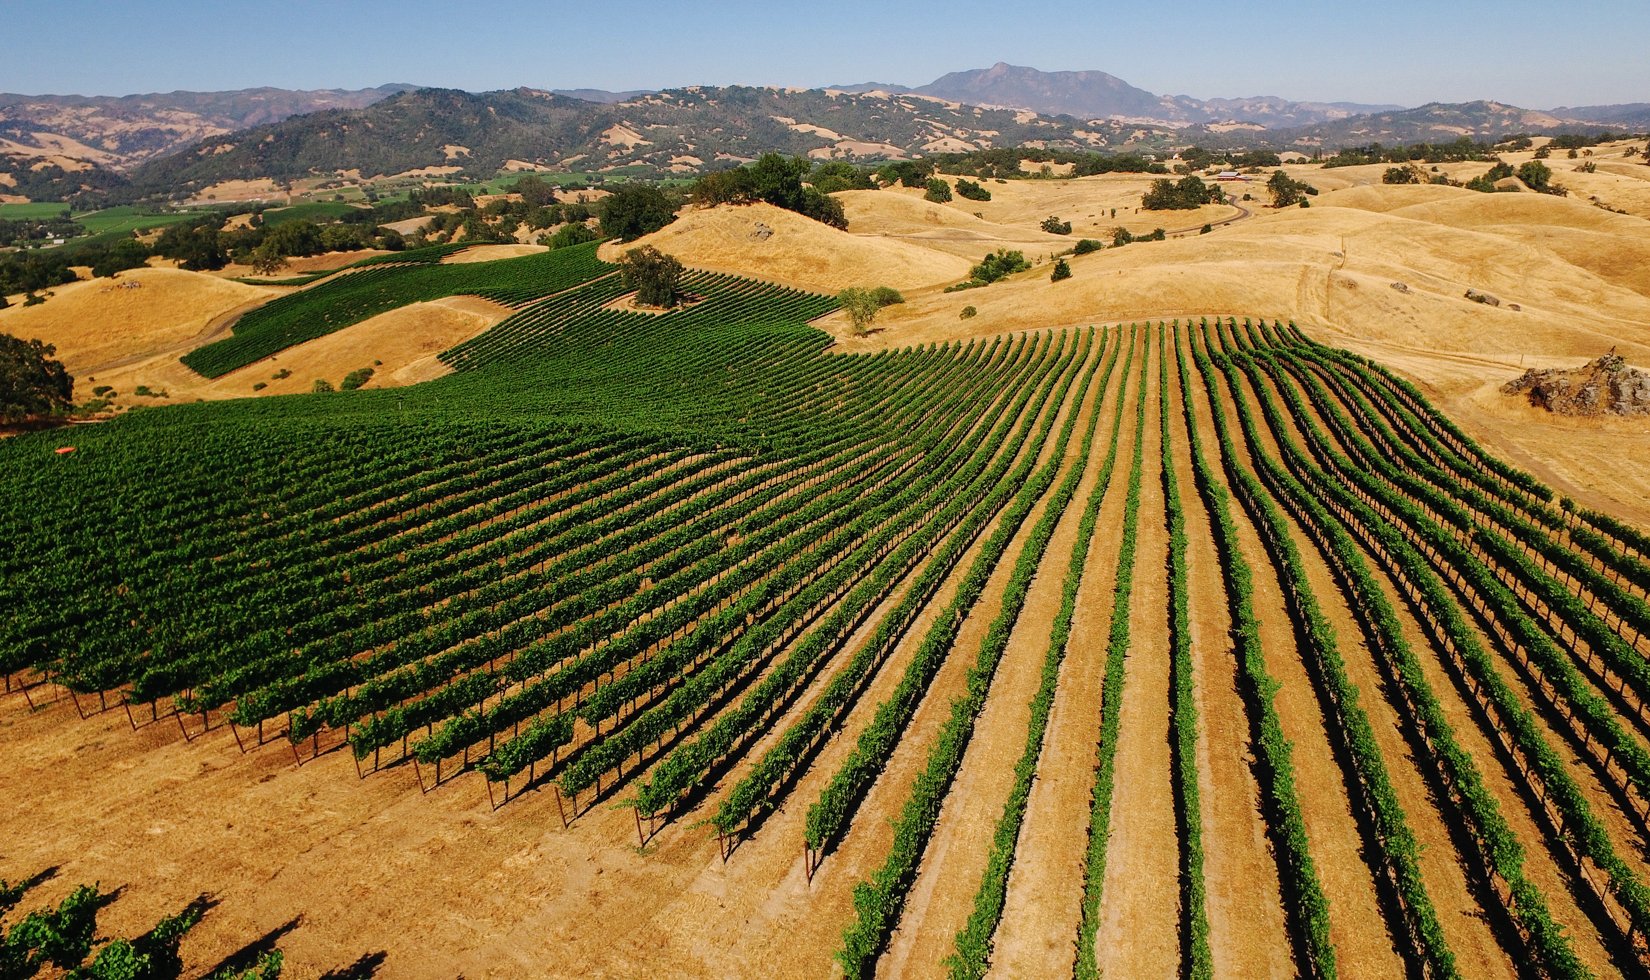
x=1185 y=646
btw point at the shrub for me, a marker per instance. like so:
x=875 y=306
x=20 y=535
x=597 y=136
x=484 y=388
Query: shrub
x=938 y=191
x=321 y=385
x=356 y=379
x=1062 y=270
x=1157 y=235
x=887 y=296
x=281 y=374
x=1120 y=237
x=1400 y=175
x=1205 y=229
x=1087 y=245
x=969 y=189
x=968 y=313
x=260 y=386
x=1054 y=226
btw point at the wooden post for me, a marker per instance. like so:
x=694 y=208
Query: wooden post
x=559 y=808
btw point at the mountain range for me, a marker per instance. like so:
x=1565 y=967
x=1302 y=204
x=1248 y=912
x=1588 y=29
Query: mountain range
x=164 y=143
x=121 y=131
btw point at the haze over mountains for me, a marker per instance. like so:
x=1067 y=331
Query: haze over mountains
x=128 y=129
x=185 y=140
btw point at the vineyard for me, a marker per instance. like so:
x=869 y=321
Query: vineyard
x=382 y=283
x=1190 y=648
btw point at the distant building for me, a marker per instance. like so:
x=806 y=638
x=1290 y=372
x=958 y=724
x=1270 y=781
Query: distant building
x=1229 y=175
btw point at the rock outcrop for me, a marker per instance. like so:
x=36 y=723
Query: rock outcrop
x=1607 y=386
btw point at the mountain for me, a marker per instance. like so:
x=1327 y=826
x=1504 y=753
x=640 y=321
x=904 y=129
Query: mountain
x=675 y=131
x=1097 y=95
x=1632 y=115
x=600 y=94
x=1435 y=122
x=1084 y=94
x=860 y=88
x=122 y=131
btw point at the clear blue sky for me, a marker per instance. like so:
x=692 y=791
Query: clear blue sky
x=1534 y=54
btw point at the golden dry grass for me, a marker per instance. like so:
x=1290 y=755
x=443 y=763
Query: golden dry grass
x=404 y=342
x=98 y=322
x=1580 y=274
x=488 y=253
x=800 y=252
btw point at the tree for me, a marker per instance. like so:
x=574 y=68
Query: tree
x=938 y=191
x=1400 y=175
x=1087 y=245
x=534 y=191
x=575 y=234
x=634 y=210
x=1054 y=226
x=1062 y=270
x=266 y=259
x=32 y=382
x=971 y=190
x=861 y=306
x=1286 y=192
x=655 y=276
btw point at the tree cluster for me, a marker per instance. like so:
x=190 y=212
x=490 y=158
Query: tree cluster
x=1184 y=194
x=971 y=190
x=772 y=179
x=999 y=264
x=637 y=209
x=938 y=191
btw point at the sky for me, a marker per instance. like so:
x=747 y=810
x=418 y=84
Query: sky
x=1406 y=52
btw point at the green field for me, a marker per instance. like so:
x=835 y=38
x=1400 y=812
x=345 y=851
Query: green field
x=319 y=211
x=127 y=219
x=32 y=211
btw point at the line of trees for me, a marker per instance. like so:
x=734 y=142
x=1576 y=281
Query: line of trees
x=776 y=180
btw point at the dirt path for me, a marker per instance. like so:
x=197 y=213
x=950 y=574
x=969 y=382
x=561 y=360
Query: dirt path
x=1041 y=909
x=1357 y=925
x=942 y=897
x=1138 y=933
x=1248 y=934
